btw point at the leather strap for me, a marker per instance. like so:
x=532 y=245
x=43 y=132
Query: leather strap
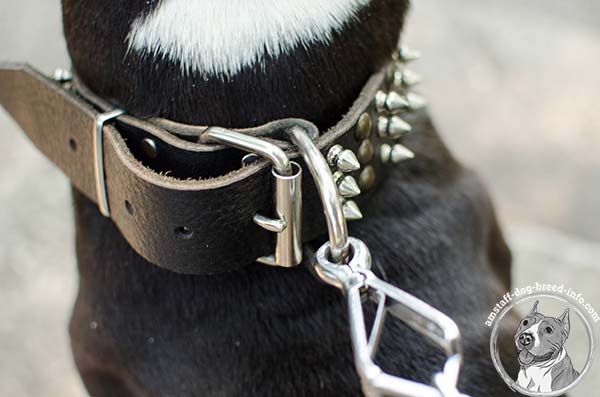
x=186 y=206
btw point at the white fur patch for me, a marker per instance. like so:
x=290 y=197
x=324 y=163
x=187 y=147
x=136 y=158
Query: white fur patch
x=221 y=37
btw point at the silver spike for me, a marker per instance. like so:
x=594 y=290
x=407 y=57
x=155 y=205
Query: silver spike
x=347 y=161
x=405 y=78
x=397 y=127
x=385 y=152
x=351 y=211
x=62 y=75
x=391 y=102
x=415 y=101
x=406 y=54
x=343 y=159
x=400 y=153
x=393 y=127
x=346 y=185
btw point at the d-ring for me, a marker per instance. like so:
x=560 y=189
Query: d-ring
x=330 y=197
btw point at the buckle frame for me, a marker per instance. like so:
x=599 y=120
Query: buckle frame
x=99 y=174
x=288 y=195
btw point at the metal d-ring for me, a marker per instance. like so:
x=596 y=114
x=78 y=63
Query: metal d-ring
x=330 y=197
x=288 y=195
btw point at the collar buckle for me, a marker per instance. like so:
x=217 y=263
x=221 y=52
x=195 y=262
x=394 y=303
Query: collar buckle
x=287 y=223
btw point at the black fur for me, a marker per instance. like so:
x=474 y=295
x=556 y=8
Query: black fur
x=265 y=331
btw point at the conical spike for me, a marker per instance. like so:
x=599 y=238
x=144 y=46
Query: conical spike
x=392 y=102
x=396 y=102
x=405 y=78
x=406 y=54
x=347 y=162
x=351 y=211
x=400 y=153
x=415 y=102
x=397 y=127
x=347 y=186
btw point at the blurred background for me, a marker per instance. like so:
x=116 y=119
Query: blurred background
x=513 y=86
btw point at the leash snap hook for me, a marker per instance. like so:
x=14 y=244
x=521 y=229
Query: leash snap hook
x=356 y=280
x=288 y=195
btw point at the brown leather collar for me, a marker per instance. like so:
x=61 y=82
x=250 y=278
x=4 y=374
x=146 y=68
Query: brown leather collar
x=183 y=205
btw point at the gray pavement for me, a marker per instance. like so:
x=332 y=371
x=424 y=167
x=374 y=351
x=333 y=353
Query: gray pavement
x=513 y=85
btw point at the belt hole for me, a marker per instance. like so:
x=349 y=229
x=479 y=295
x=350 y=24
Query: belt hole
x=184 y=232
x=72 y=144
x=129 y=207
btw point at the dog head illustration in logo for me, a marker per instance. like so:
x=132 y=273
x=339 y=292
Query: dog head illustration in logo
x=545 y=364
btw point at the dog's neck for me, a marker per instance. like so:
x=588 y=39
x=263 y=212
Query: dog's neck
x=232 y=64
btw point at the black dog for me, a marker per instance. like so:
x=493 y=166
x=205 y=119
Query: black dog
x=138 y=330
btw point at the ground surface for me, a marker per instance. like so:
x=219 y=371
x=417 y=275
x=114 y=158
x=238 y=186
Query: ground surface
x=513 y=85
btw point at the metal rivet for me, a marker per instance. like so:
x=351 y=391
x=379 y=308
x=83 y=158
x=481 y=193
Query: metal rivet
x=184 y=232
x=149 y=148
x=366 y=180
x=365 y=151
x=363 y=126
x=249 y=159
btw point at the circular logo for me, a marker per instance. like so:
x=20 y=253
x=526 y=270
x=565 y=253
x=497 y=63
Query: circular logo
x=552 y=344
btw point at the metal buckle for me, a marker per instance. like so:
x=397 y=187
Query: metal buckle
x=345 y=262
x=100 y=177
x=288 y=195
